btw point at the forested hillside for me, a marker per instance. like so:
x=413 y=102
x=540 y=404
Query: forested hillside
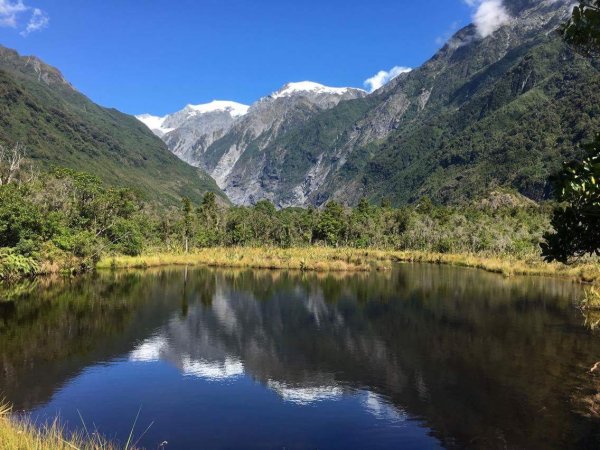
x=59 y=127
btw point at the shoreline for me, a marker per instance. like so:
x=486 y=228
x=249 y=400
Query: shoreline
x=325 y=259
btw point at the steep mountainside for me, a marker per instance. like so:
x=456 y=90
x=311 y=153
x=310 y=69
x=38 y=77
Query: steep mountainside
x=499 y=111
x=189 y=132
x=228 y=142
x=61 y=127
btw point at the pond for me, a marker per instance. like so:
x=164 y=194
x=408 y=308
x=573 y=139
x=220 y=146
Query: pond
x=423 y=356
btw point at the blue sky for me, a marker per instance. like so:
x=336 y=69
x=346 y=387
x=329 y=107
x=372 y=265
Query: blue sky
x=158 y=55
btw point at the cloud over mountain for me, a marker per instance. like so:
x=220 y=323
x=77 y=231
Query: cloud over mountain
x=383 y=77
x=489 y=15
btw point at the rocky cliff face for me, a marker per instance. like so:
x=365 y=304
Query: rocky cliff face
x=416 y=114
x=227 y=142
x=189 y=132
x=238 y=162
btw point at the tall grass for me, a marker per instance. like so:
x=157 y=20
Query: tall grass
x=322 y=259
x=318 y=259
x=20 y=433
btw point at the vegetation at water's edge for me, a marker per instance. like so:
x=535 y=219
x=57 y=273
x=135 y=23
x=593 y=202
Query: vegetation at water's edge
x=67 y=221
x=321 y=259
x=22 y=434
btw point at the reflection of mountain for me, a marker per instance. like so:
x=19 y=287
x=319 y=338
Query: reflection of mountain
x=157 y=348
x=455 y=348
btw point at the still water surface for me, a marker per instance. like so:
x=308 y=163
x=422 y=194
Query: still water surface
x=422 y=357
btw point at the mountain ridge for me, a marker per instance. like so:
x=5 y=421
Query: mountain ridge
x=61 y=127
x=400 y=142
x=216 y=140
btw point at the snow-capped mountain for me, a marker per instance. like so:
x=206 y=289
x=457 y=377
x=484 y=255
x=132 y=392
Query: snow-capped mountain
x=155 y=123
x=190 y=131
x=214 y=136
x=310 y=88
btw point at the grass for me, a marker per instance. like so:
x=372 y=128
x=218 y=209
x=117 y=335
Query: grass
x=590 y=307
x=588 y=272
x=323 y=259
x=20 y=433
x=319 y=259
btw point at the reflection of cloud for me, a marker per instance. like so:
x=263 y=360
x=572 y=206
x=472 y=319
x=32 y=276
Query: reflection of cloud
x=305 y=395
x=382 y=410
x=157 y=348
x=213 y=370
x=149 y=350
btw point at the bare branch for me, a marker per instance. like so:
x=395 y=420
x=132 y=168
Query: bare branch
x=10 y=163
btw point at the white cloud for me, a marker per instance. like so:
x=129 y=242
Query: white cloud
x=489 y=16
x=11 y=11
x=383 y=77
x=38 y=21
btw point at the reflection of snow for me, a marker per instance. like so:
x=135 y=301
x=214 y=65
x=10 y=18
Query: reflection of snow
x=224 y=312
x=382 y=410
x=305 y=395
x=213 y=370
x=149 y=350
x=157 y=348
x=317 y=307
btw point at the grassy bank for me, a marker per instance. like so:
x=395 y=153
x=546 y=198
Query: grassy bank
x=347 y=259
x=22 y=434
x=319 y=259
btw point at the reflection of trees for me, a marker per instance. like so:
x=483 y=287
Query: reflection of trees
x=49 y=335
x=483 y=360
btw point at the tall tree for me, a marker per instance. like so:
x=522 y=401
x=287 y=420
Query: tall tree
x=577 y=225
x=187 y=222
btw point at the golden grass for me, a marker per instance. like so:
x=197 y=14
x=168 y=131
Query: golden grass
x=318 y=259
x=324 y=259
x=22 y=434
x=591 y=299
x=509 y=266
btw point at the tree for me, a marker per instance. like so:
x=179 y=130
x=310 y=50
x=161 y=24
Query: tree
x=577 y=225
x=330 y=227
x=209 y=209
x=583 y=30
x=10 y=163
x=186 y=207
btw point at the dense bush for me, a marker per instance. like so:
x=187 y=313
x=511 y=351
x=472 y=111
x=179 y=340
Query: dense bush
x=67 y=220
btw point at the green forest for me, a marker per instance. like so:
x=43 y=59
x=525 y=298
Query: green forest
x=65 y=221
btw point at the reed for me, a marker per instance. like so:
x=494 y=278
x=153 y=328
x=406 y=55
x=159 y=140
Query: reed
x=318 y=259
x=20 y=433
x=323 y=259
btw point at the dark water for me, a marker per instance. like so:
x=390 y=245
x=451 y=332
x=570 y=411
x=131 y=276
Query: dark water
x=423 y=357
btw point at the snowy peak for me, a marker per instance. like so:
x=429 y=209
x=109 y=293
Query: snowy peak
x=155 y=123
x=163 y=125
x=233 y=108
x=309 y=87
